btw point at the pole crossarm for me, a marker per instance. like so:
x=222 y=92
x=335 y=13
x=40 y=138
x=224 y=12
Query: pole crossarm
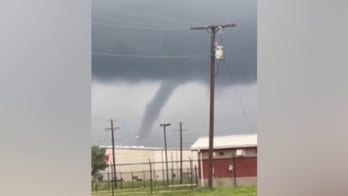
x=165 y=124
x=213 y=28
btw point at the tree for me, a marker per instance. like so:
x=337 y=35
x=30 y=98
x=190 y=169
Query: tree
x=98 y=160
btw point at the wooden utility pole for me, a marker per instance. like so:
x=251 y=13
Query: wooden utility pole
x=112 y=129
x=165 y=148
x=181 y=148
x=212 y=29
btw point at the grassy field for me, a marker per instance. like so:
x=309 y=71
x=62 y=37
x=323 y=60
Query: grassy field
x=240 y=191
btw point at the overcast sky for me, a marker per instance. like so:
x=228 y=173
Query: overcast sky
x=149 y=68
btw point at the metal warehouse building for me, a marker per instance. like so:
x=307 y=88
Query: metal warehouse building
x=235 y=159
x=132 y=163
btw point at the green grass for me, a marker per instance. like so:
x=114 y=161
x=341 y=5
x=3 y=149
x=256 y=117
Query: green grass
x=223 y=191
x=136 y=184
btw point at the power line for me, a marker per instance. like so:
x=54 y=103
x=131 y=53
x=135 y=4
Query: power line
x=123 y=13
x=239 y=98
x=233 y=85
x=140 y=27
x=140 y=23
x=191 y=134
x=149 y=56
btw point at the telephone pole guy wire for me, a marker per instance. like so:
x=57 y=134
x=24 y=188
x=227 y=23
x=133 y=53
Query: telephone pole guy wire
x=212 y=29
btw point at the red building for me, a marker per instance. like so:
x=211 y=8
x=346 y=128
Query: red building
x=235 y=159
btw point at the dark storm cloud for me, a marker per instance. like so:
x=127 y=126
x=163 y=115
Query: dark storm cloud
x=160 y=28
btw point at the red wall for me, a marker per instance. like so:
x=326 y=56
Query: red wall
x=244 y=167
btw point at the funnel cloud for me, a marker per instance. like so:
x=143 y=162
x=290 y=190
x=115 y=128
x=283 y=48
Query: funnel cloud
x=154 y=107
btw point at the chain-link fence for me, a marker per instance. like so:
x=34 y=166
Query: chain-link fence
x=152 y=175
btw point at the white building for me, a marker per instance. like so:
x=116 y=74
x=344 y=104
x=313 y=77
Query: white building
x=134 y=162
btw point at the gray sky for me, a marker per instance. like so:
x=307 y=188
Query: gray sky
x=136 y=79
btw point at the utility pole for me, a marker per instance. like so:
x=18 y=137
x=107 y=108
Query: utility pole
x=112 y=129
x=212 y=29
x=162 y=167
x=164 y=125
x=181 y=148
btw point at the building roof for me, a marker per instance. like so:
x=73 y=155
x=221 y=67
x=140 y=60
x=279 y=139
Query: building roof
x=140 y=148
x=229 y=141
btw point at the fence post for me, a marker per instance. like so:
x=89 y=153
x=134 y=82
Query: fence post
x=234 y=171
x=162 y=174
x=150 y=176
x=121 y=181
x=144 y=178
x=154 y=174
x=188 y=177
x=108 y=181
x=132 y=179
x=196 y=177
x=191 y=173
x=172 y=175
x=172 y=168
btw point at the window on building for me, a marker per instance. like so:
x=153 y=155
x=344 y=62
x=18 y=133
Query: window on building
x=240 y=152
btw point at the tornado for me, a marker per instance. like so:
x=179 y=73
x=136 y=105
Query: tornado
x=154 y=107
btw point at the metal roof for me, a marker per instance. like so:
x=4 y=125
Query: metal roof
x=140 y=148
x=229 y=141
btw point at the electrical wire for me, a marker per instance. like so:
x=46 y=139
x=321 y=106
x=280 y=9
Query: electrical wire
x=188 y=133
x=233 y=84
x=149 y=56
x=143 y=23
x=141 y=27
x=239 y=99
x=162 y=18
